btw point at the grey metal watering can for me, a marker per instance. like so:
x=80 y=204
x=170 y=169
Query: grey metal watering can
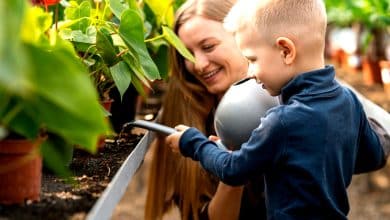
x=238 y=113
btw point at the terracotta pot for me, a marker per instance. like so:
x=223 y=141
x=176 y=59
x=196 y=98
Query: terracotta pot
x=337 y=57
x=20 y=171
x=107 y=104
x=385 y=74
x=371 y=72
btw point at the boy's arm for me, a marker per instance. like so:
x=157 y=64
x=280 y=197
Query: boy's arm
x=383 y=135
x=262 y=149
x=374 y=147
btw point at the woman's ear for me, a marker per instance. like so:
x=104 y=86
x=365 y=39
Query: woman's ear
x=287 y=49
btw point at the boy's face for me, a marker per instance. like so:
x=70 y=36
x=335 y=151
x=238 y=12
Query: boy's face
x=265 y=60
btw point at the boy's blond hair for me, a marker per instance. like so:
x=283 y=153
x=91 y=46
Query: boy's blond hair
x=296 y=19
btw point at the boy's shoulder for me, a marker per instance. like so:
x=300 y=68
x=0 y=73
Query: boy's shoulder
x=282 y=115
x=293 y=114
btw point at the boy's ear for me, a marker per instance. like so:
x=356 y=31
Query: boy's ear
x=287 y=49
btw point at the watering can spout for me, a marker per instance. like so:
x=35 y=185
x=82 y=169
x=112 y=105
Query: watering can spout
x=152 y=126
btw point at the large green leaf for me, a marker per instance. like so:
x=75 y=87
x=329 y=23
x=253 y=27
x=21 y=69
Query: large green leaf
x=14 y=66
x=105 y=46
x=118 y=7
x=121 y=75
x=65 y=100
x=171 y=37
x=139 y=86
x=131 y=31
x=135 y=66
x=56 y=154
x=25 y=124
x=81 y=13
x=77 y=36
x=35 y=26
x=163 y=10
x=15 y=115
x=161 y=60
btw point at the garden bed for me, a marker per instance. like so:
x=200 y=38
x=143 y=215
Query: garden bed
x=93 y=173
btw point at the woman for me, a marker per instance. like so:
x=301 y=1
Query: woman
x=193 y=92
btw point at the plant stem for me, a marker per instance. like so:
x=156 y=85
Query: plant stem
x=11 y=114
x=154 y=38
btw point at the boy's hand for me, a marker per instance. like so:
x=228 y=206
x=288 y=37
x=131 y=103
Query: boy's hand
x=173 y=140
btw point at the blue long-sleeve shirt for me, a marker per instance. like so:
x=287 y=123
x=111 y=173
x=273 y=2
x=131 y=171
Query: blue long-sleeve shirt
x=308 y=148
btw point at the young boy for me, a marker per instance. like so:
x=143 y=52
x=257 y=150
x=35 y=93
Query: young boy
x=309 y=147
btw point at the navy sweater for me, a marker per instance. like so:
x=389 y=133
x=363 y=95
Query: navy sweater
x=308 y=148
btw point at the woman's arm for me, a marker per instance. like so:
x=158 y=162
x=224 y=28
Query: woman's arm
x=226 y=202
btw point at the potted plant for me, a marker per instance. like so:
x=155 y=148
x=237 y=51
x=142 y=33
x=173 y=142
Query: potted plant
x=342 y=32
x=120 y=42
x=371 y=18
x=375 y=19
x=46 y=96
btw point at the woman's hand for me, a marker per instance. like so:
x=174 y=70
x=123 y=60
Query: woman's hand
x=213 y=138
x=226 y=202
x=173 y=140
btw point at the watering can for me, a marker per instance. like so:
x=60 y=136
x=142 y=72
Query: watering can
x=238 y=113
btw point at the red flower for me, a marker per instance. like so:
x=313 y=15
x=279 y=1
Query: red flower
x=45 y=2
x=51 y=2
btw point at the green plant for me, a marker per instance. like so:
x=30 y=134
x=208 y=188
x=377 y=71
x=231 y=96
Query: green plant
x=110 y=38
x=372 y=15
x=44 y=88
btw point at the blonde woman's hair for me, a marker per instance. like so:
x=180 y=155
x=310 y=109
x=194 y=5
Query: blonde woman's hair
x=273 y=18
x=173 y=179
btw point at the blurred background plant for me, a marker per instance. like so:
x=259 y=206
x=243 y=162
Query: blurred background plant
x=124 y=45
x=360 y=29
x=44 y=88
x=51 y=51
x=120 y=41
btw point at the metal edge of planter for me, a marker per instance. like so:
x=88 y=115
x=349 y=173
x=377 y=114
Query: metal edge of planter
x=111 y=196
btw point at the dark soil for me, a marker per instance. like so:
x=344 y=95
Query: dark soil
x=92 y=174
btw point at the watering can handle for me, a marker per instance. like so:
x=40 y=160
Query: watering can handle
x=153 y=126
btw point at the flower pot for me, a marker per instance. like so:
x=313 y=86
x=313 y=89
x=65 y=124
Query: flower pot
x=123 y=110
x=371 y=72
x=385 y=74
x=337 y=56
x=20 y=171
x=107 y=104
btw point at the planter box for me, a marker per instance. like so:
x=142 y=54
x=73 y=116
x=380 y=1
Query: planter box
x=105 y=205
x=101 y=181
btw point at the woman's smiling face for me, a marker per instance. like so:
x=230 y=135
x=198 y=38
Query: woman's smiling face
x=218 y=61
